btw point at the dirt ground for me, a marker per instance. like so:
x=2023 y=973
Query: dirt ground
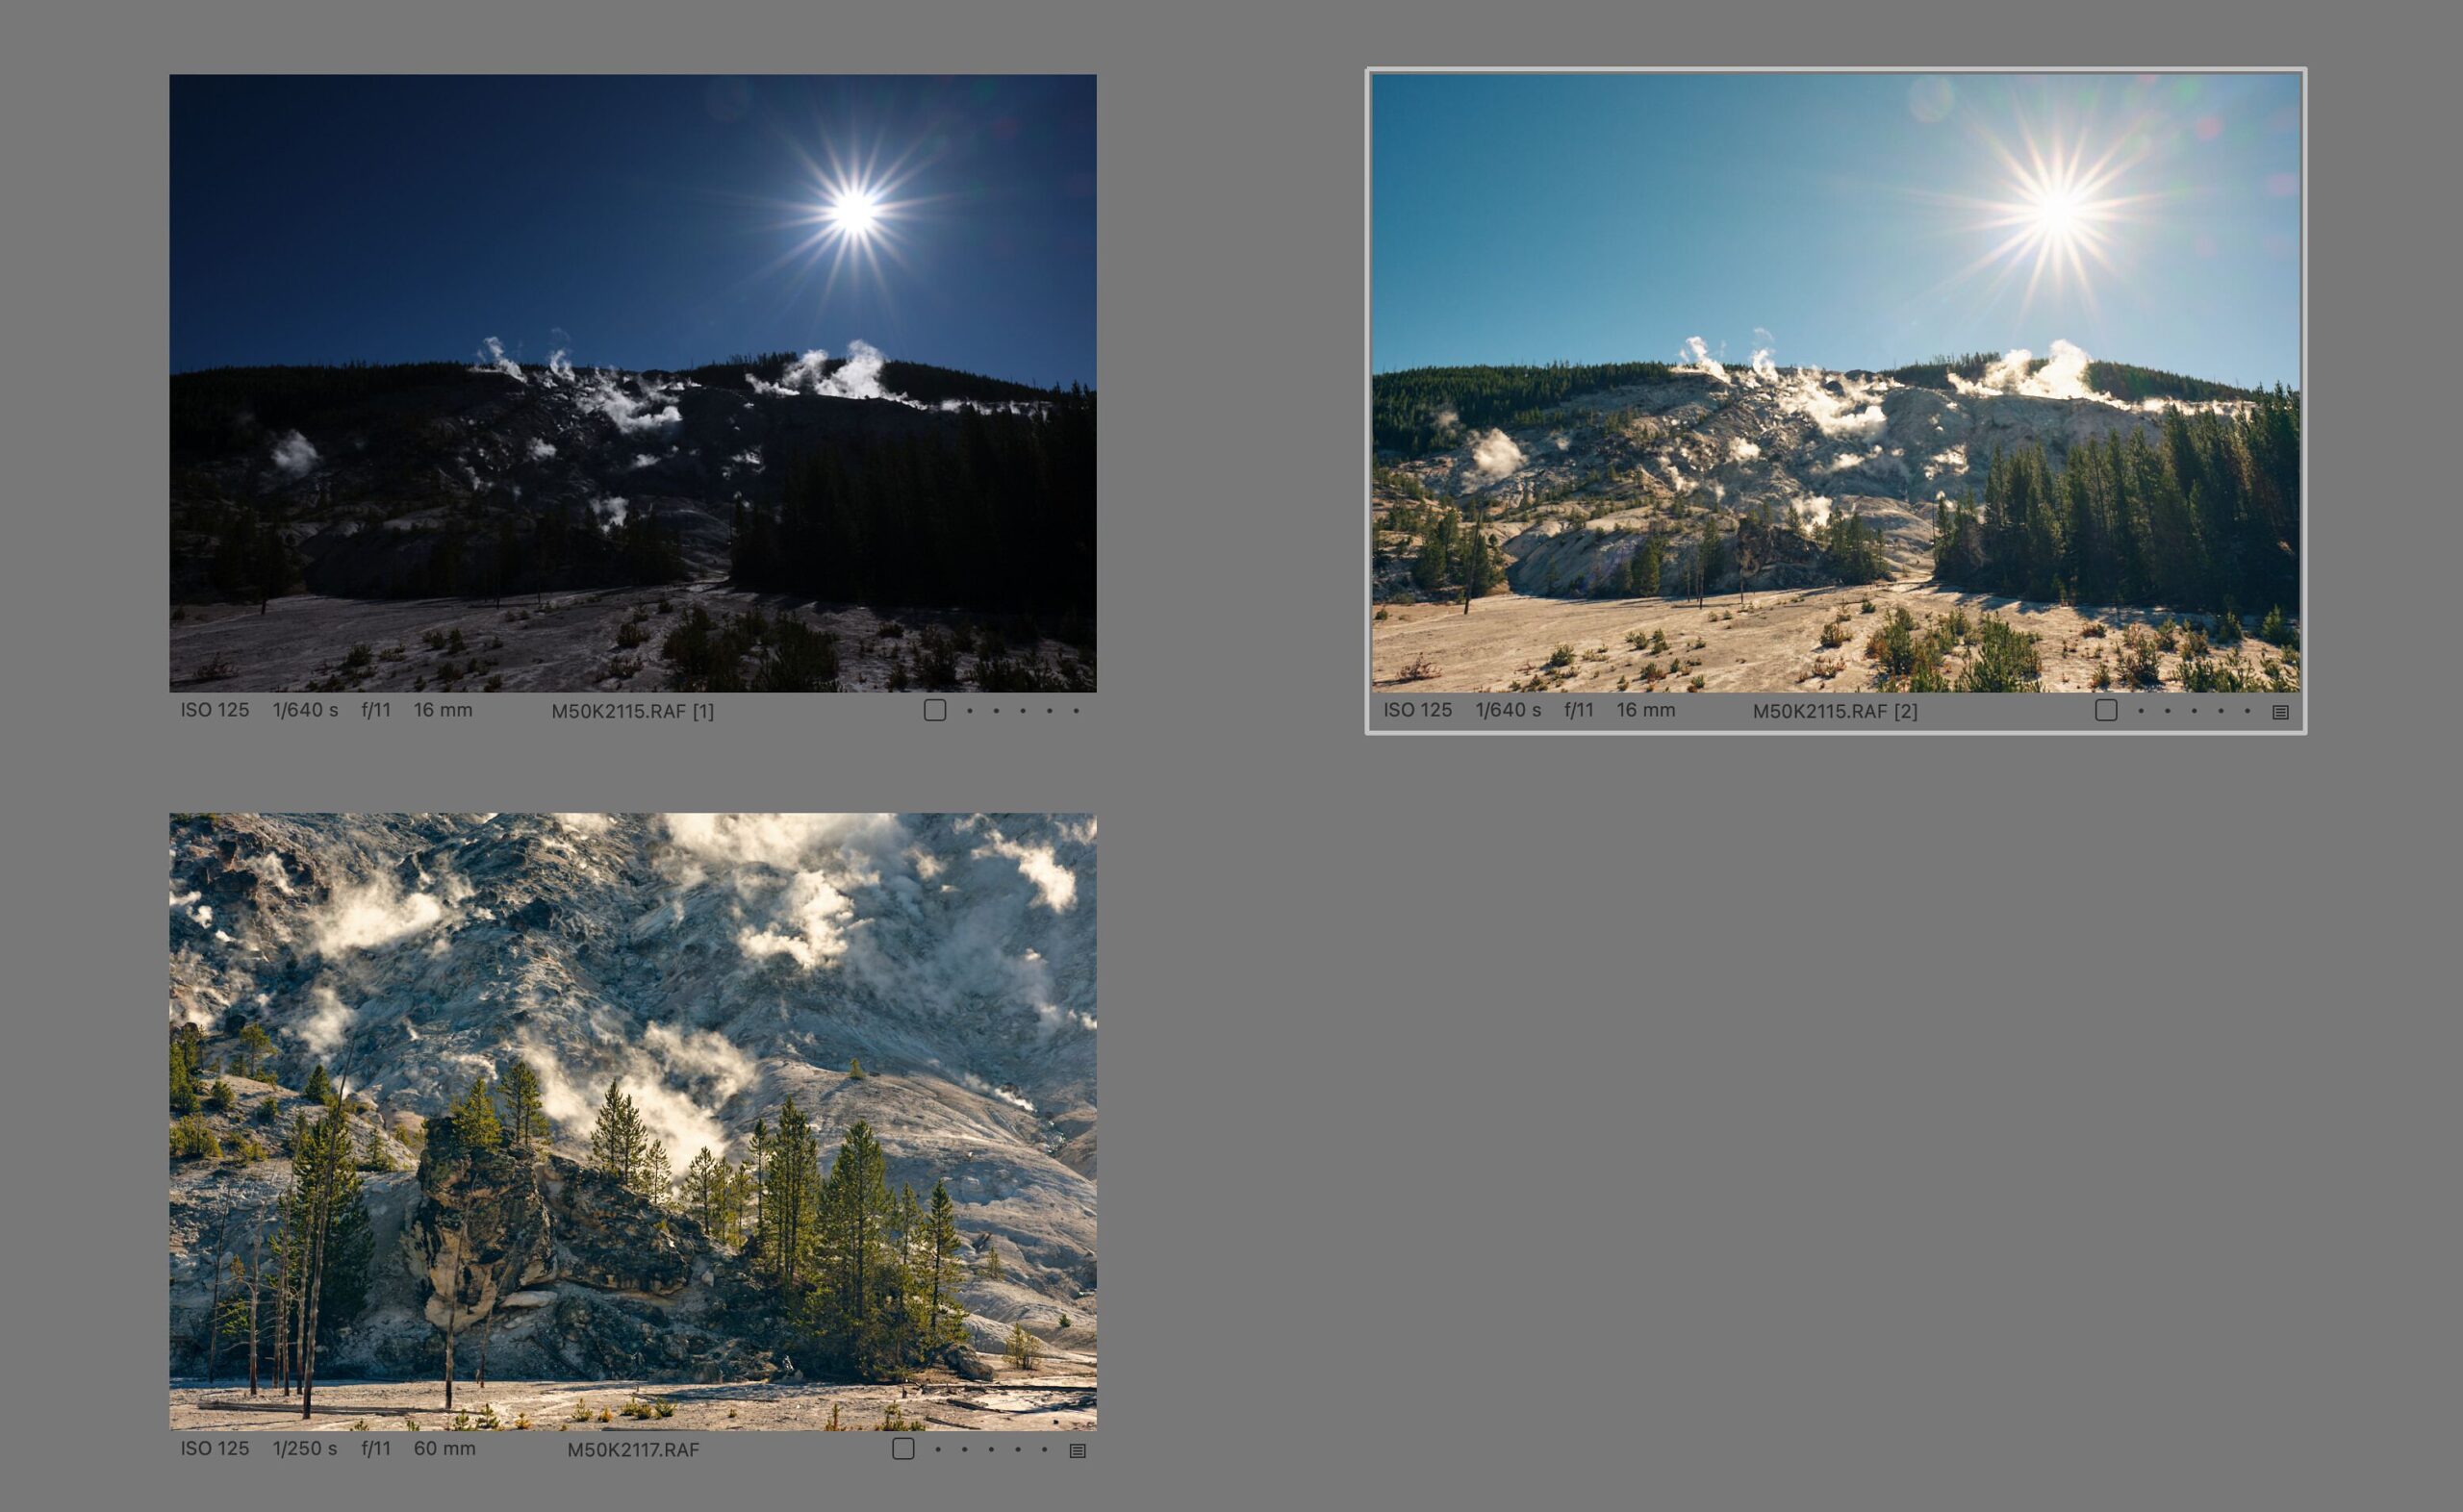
x=1762 y=642
x=565 y=643
x=1057 y=1394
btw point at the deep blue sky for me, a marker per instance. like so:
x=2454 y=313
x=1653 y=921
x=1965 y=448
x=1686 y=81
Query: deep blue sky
x=638 y=222
x=1522 y=218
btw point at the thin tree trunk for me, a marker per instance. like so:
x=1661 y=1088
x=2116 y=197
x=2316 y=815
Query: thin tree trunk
x=282 y=1326
x=213 y=1298
x=329 y=1155
x=256 y=1260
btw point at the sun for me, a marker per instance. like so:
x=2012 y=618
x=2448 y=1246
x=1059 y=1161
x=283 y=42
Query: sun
x=2056 y=209
x=854 y=212
x=856 y=215
x=2059 y=215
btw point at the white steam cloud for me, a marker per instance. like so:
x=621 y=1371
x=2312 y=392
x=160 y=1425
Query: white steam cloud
x=650 y=408
x=541 y=451
x=858 y=377
x=294 y=456
x=1056 y=885
x=1703 y=362
x=673 y=1116
x=371 y=916
x=493 y=359
x=783 y=841
x=1495 y=455
x=269 y=867
x=821 y=854
x=1850 y=413
x=975 y=1083
x=2063 y=375
x=813 y=916
x=328 y=1022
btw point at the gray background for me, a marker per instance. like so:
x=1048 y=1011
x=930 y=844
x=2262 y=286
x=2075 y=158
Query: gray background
x=1692 y=1123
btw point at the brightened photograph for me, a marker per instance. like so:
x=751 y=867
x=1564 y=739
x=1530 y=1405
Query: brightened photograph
x=1808 y=383
x=571 y=1123
x=629 y=384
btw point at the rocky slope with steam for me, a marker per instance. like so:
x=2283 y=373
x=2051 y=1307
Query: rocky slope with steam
x=1572 y=494
x=714 y=965
x=386 y=481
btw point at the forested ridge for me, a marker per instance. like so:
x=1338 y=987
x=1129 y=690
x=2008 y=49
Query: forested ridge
x=2203 y=515
x=1409 y=407
x=998 y=515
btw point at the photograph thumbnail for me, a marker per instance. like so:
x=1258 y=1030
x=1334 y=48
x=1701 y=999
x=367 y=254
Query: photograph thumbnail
x=570 y=1121
x=629 y=384
x=1821 y=382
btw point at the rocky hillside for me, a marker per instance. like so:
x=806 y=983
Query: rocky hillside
x=385 y=480
x=715 y=965
x=1570 y=500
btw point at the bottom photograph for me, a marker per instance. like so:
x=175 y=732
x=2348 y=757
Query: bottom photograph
x=579 y=1122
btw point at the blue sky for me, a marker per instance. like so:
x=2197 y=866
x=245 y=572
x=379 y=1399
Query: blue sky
x=638 y=222
x=1847 y=220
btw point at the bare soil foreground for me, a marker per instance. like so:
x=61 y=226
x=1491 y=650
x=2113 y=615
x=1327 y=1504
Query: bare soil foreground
x=1059 y=1393
x=562 y=643
x=1763 y=642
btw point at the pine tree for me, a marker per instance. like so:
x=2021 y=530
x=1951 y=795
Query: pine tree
x=183 y=1098
x=321 y=1087
x=708 y=1191
x=655 y=1182
x=760 y=1210
x=790 y=1196
x=323 y=1187
x=474 y=1119
x=256 y=1048
x=619 y=1146
x=854 y=1069
x=1644 y=567
x=1023 y=1350
x=525 y=1107
x=942 y=1277
x=854 y=1309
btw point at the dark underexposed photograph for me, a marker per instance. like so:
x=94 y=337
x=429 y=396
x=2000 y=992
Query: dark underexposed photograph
x=578 y=1122
x=632 y=384
x=1815 y=382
